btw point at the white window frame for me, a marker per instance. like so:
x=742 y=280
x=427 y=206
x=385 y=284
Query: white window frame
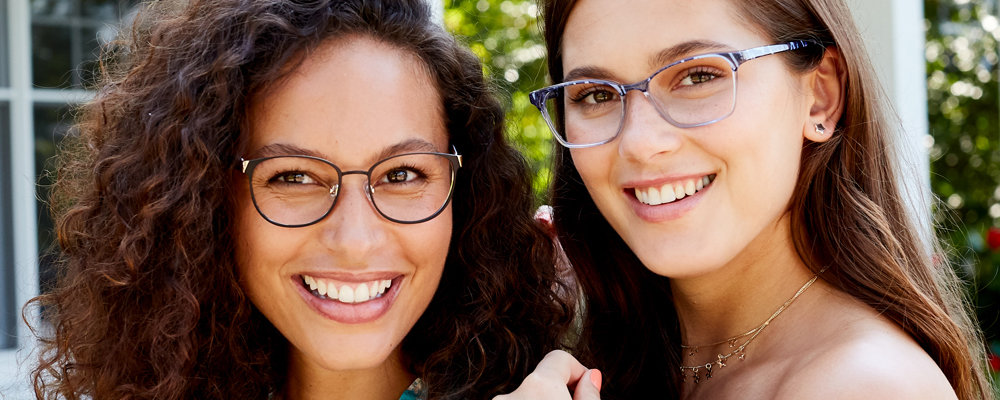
x=14 y=362
x=22 y=98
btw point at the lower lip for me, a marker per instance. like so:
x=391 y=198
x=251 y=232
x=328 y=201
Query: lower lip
x=665 y=212
x=358 y=313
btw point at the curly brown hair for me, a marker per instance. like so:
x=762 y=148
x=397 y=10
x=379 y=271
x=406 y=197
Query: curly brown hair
x=148 y=304
x=848 y=213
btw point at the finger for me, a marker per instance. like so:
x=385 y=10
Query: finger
x=589 y=387
x=544 y=217
x=561 y=366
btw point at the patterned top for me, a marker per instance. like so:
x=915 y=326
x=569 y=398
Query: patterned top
x=416 y=391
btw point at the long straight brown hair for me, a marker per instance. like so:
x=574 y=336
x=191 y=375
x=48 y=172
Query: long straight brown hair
x=848 y=212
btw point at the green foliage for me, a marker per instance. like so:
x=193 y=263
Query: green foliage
x=962 y=58
x=505 y=35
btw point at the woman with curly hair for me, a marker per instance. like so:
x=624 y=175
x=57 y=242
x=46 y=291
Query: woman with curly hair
x=294 y=199
x=729 y=196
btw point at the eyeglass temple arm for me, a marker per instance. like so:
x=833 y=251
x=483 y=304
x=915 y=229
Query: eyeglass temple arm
x=750 y=54
x=455 y=152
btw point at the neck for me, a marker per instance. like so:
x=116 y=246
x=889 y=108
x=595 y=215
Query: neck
x=308 y=380
x=743 y=293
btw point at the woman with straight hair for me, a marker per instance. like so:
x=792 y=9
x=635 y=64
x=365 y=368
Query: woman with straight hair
x=729 y=197
x=294 y=199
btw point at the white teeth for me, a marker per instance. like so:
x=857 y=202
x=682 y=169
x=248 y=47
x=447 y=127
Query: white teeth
x=331 y=291
x=321 y=287
x=667 y=195
x=679 y=192
x=653 y=196
x=358 y=293
x=346 y=294
x=671 y=191
x=361 y=293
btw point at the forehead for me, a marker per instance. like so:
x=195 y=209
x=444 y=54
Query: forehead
x=348 y=100
x=609 y=33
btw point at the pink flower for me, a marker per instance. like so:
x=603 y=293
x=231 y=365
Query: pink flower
x=994 y=362
x=993 y=238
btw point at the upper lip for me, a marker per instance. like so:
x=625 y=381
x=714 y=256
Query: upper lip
x=351 y=277
x=660 y=181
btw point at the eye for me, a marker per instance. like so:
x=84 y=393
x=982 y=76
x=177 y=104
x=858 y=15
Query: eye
x=293 y=177
x=595 y=95
x=696 y=76
x=401 y=175
x=397 y=176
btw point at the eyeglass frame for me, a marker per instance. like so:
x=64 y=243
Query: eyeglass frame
x=734 y=58
x=247 y=167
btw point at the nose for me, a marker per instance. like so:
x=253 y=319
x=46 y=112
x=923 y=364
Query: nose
x=353 y=229
x=644 y=133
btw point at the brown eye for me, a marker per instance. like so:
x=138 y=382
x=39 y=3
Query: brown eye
x=397 y=176
x=698 y=78
x=600 y=97
x=294 y=177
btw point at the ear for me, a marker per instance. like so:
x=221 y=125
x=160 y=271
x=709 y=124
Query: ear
x=826 y=93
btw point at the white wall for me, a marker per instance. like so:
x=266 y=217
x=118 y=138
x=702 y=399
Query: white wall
x=894 y=33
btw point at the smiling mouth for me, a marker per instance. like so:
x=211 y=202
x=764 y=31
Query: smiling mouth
x=348 y=293
x=673 y=191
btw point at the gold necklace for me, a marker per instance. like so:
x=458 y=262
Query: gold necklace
x=692 y=350
x=740 y=352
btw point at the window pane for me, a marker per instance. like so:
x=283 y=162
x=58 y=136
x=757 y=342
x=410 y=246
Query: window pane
x=68 y=36
x=106 y=10
x=53 y=8
x=52 y=123
x=51 y=55
x=4 y=45
x=88 y=69
x=8 y=306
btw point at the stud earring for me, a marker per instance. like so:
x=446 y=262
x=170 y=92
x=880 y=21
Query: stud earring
x=820 y=129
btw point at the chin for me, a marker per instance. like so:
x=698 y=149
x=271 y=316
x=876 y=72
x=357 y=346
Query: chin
x=349 y=352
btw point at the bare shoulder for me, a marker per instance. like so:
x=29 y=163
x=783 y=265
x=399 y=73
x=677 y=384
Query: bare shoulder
x=866 y=356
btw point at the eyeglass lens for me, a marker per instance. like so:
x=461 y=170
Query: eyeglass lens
x=298 y=190
x=691 y=93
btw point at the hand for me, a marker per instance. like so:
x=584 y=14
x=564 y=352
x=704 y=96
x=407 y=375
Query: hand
x=554 y=378
x=543 y=215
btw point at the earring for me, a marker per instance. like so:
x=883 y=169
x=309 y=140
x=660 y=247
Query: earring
x=820 y=129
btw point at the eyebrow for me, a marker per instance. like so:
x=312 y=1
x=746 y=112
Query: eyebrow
x=662 y=58
x=688 y=48
x=283 y=149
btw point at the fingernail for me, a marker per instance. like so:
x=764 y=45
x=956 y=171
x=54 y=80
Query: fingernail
x=595 y=378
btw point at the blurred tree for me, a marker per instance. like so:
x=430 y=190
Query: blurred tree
x=963 y=107
x=505 y=35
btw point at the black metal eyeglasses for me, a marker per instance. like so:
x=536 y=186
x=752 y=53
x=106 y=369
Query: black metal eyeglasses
x=695 y=91
x=298 y=190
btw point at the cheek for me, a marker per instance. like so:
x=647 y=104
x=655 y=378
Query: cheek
x=427 y=246
x=260 y=247
x=594 y=166
x=248 y=227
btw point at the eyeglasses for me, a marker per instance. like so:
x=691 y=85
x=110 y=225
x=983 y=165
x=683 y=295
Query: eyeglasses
x=695 y=91
x=298 y=190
